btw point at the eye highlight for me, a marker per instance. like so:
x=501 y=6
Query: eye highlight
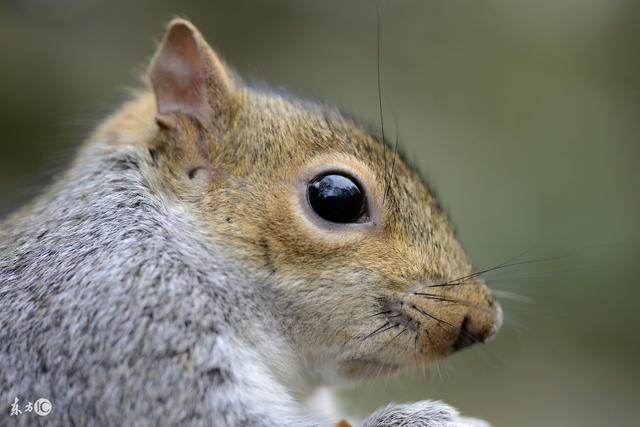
x=337 y=198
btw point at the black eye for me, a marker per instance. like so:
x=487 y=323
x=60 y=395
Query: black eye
x=336 y=198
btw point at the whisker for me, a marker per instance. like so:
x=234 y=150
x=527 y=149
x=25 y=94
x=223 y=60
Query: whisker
x=381 y=329
x=508 y=264
x=451 y=285
x=512 y=296
x=398 y=334
x=451 y=300
x=433 y=349
x=492 y=281
x=395 y=152
x=384 y=146
x=379 y=314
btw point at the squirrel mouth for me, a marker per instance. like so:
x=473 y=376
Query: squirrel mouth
x=440 y=323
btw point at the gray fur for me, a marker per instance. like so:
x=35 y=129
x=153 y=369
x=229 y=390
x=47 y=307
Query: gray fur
x=114 y=307
x=420 y=414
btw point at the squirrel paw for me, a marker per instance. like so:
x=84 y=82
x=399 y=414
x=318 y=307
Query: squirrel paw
x=425 y=413
x=471 y=422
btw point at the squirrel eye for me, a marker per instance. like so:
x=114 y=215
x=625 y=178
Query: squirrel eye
x=336 y=198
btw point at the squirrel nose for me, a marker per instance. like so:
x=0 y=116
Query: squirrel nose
x=473 y=333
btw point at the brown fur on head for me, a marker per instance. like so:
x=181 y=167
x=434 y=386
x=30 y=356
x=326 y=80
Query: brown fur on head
x=357 y=297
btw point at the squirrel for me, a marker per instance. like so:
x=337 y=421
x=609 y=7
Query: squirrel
x=217 y=252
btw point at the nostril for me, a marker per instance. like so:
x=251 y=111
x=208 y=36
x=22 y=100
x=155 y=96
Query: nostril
x=466 y=337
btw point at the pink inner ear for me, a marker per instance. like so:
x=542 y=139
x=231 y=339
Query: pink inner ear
x=178 y=76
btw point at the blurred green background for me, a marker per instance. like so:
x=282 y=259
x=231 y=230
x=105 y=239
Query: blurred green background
x=524 y=115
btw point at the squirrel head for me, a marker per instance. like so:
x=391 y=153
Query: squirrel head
x=363 y=265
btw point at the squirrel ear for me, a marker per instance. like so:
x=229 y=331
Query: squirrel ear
x=188 y=78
